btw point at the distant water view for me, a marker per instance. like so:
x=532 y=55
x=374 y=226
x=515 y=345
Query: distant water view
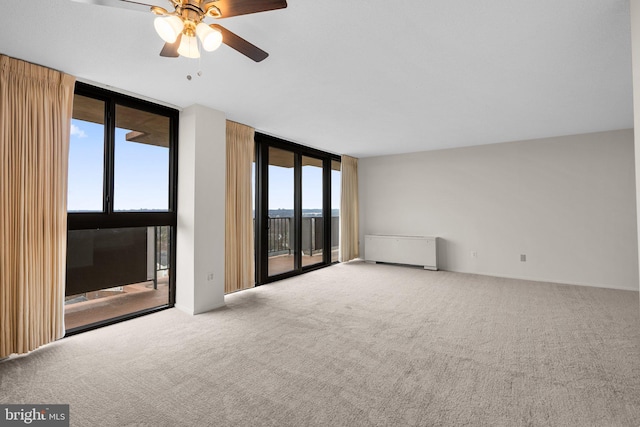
x=288 y=213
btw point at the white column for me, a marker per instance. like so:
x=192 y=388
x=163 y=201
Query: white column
x=635 y=57
x=201 y=210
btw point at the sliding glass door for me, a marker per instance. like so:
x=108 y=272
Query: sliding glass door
x=280 y=216
x=312 y=249
x=294 y=225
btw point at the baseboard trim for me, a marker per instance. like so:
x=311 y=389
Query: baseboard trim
x=543 y=280
x=194 y=312
x=184 y=309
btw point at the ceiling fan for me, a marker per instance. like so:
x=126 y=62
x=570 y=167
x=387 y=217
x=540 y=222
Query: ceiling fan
x=183 y=29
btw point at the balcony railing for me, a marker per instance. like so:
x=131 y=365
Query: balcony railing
x=279 y=235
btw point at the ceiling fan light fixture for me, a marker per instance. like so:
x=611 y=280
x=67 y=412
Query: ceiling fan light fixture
x=168 y=27
x=189 y=47
x=211 y=38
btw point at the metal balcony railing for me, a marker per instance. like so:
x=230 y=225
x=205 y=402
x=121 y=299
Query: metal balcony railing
x=280 y=235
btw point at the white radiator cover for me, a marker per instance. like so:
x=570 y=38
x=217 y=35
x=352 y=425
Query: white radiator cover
x=412 y=250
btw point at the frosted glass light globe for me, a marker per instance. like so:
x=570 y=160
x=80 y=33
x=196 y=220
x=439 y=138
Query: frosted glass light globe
x=211 y=38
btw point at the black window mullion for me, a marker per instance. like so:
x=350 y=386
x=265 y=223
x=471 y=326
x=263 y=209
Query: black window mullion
x=88 y=221
x=261 y=213
x=110 y=127
x=173 y=167
x=326 y=210
x=297 y=210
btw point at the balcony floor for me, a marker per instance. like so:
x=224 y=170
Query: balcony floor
x=283 y=263
x=104 y=305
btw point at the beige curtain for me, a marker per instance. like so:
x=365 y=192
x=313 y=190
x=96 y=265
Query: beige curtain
x=349 y=210
x=35 y=119
x=239 y=256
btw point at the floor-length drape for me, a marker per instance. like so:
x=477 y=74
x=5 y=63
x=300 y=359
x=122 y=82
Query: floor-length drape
x=239 y=255
x=35 y=120
x=349 y=248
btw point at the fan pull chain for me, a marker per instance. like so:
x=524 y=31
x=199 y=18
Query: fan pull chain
x=199 y=72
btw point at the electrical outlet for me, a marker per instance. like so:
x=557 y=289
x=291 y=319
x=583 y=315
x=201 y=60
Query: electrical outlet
x=210 y=277
x=474 y=254
x=523 y=257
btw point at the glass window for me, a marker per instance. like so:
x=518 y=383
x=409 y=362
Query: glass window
x=121 y=208
x=86 y=156
x=141 y=176
x=281 y=232
x=116 y=271
x=312 y=217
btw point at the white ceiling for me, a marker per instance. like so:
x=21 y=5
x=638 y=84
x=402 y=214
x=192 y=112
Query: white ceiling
x=365 y=78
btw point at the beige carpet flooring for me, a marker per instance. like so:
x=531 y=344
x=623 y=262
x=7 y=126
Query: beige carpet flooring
x=356 y=345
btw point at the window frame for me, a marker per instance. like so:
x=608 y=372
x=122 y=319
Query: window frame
x=108 y=218
x=262 y=144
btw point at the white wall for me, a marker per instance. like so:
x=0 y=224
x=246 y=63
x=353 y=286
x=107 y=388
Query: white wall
x=568 y=203
x=201 y=212
x=635 y=56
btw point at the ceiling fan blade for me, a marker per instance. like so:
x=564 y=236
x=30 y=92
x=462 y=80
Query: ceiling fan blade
x=236 y=42
x=170 y=50
x=230 y=8
x=125 y=4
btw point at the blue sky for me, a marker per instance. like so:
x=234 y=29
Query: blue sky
x=141 y=171
x=85 y=167
x=281 y=188
x=142 y=175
